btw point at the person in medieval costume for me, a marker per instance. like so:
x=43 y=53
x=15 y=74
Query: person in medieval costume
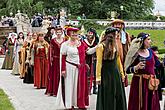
x=141 y=61
x=22 y=58
x=29 y=63
x=8 y=62
x=23 y=54
x=123 y=41
x=17 y=46
x=46 y=23
x=159 y=71
x=40 y=61
x=109 y=68
x=75 y=91
x=49 y=34
x=54 y=62
x=91 y=41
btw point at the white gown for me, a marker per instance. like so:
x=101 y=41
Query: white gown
x=17 y=46
x=71 y=79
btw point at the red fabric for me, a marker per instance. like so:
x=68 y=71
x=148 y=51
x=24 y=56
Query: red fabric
x=82 y=88
x=63 y=63
x=83 y=98
x=150 y=98
x=54 y=65
x=68 y=30
x=40 y=68
x=90 y=61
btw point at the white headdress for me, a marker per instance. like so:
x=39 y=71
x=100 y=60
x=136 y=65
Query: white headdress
x=10 y=35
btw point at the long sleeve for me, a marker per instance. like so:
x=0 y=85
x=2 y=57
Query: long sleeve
x=7 y=44
x=63 y=52
x=120 y=66
x=99 y=54
x=91 y=51
x=63 y=63
x=15 y=47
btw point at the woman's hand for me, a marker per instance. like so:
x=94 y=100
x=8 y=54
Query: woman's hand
x=140 y=65
x=98 y=82
x=87 y=66
x=63 y=73
x=123 y=78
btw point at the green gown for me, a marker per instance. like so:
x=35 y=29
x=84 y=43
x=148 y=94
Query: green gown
x=111 y=93
x=8 y=61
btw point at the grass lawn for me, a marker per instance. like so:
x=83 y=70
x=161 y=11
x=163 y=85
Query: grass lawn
x=157 y=36
x=5 y=102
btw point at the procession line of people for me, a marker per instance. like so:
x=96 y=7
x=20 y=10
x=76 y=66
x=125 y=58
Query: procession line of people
x=69 y=65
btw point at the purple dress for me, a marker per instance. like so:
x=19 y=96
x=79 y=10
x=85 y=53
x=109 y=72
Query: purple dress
x=149 y=99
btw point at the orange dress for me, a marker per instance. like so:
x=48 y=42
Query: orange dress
x=40 y=67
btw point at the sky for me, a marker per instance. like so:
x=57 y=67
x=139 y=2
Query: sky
x=159 y=5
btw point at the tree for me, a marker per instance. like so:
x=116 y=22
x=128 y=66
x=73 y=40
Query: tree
x=94 y=9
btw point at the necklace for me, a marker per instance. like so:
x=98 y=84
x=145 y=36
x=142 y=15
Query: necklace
x=59 y=40
x=74 y=43
x=143 y=50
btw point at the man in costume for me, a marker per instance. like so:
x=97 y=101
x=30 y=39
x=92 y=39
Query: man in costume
x=123 y=41
x=91 y=41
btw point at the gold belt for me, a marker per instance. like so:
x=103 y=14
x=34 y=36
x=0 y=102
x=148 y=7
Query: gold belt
x=141 y=76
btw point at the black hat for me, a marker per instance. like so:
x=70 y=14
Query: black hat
x=110 y=30
x=143 y=35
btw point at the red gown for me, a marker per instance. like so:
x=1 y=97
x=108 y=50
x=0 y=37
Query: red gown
x=54 y=65
x=140 y=97
x=83 y=98
x=40 y=68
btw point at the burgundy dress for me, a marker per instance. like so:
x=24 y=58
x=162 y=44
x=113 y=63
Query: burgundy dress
x=150 y=99
x=54 y=67
x=83 y=98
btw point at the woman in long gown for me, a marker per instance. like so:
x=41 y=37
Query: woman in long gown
x=23 y=55
x=17 y=46
x=140 y=61
x=8 y=62
x=111 y=94
x=29 y=64
x=40 y=61
x=54 y=62
x=75 y=91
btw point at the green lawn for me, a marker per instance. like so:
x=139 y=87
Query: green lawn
x=5 y=102
x=157 y=36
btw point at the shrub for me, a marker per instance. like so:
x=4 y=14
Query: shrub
x=161 y=51
x=91 y=23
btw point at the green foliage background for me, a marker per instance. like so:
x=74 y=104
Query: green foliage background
x=93 y=9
